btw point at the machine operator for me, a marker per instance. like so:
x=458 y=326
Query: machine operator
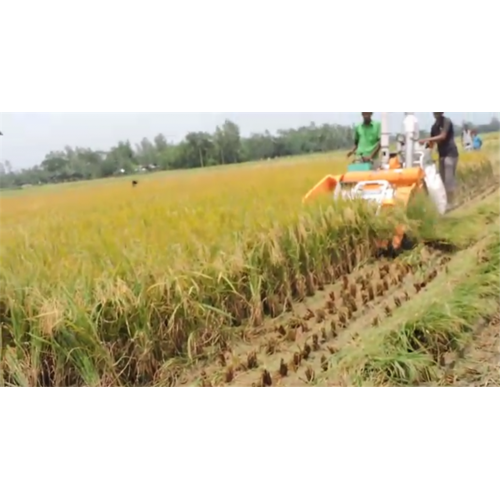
x=367 y=141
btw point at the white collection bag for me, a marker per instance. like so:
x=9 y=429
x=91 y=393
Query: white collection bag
x=436 y=189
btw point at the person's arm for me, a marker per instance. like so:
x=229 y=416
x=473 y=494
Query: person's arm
x=442 y=136
x=356 y=144
x=376 y=151
x=378 y=147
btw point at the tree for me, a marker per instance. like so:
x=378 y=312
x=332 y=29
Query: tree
x=494 y=125
x=200 y=150
x=147 y=153
x=227 y=140
x=55 y=162
x=161 y=143
x=120 y=158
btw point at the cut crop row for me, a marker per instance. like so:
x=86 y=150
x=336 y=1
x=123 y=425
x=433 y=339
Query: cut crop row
x=300 y=346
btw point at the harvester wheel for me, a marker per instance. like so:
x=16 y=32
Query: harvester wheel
x=390 y=252
x=407 y=244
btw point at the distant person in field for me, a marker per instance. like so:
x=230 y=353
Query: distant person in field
x=367 y=140
x=477 y=142
x=135 y=183
x=443 y=134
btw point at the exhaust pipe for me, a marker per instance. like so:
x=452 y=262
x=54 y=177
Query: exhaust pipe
x=386 y=139
x=410 y=132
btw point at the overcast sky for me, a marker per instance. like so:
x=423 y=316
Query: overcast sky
x=28 y=137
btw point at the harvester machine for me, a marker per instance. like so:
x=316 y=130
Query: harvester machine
x=401 y=176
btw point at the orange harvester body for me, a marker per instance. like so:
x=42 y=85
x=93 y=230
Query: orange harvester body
x=405 y=182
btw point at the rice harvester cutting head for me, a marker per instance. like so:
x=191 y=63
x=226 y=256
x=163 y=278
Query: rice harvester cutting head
x=400 y=178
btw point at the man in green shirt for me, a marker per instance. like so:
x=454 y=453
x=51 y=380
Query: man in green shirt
x=367 y=140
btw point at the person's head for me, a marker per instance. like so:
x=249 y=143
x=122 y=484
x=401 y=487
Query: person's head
x=367 y=118
x=438 y=116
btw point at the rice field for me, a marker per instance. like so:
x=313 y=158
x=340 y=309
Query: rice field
x=205 y=278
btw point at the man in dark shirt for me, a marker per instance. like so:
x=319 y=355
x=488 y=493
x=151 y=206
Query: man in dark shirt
x=443 y=134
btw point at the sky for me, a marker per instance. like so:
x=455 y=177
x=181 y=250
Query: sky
x=28 y=137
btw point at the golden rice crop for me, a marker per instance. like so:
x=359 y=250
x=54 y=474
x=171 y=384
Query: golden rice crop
x=63 y=236
x=102 y=280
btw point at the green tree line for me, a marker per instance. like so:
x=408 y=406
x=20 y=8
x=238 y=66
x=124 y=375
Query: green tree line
x=198 y=149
